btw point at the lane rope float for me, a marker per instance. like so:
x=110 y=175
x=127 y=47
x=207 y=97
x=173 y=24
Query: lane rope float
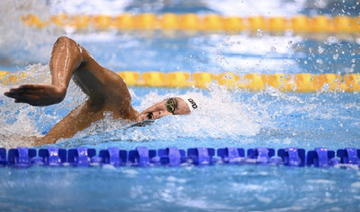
x=302 y=82
x=24 y=157
x=195 y=22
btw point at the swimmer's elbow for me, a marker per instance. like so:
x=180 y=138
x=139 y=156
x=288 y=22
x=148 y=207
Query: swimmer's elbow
x=63 y=39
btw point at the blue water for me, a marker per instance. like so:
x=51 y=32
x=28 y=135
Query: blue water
x=237 y=118
x=215 y=188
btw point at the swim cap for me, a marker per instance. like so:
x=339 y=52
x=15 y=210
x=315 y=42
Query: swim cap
x=191 y=102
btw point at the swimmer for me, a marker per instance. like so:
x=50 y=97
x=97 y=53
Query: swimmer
x=106 y=92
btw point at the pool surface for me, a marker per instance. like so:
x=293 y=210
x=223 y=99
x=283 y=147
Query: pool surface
x=269 y=118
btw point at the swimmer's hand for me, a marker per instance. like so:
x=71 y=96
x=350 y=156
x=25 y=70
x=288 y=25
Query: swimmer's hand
x=37 y=94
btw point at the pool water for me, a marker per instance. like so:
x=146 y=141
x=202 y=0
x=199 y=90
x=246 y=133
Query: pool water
x=215 y=188
x=229 y=118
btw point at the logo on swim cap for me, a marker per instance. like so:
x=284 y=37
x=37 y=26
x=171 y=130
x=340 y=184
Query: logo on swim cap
x=193 y=104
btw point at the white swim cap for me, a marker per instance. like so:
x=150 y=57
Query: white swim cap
x=191 y=102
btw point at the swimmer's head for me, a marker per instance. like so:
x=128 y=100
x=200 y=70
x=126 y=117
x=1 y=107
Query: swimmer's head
x=181 y=105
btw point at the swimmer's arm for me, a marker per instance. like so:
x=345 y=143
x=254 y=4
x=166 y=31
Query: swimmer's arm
x=66 y=57
x=69 y=60
x=77 y=120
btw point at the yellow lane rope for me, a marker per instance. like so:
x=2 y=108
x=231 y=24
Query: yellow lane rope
x=194 y=22
x=303 y=82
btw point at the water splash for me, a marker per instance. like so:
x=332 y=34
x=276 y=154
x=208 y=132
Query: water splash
x=270 y=116
x=218 y=116
x=20 y=121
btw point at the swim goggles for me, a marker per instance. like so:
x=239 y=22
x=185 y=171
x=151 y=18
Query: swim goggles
x=171 y=105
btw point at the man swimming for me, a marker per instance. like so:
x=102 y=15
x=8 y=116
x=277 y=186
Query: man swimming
x=106 y=91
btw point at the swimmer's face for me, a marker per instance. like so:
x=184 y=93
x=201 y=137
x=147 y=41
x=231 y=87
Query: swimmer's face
x=170 y=106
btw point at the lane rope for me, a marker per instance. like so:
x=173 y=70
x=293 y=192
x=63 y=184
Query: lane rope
x=302 y=82
x=195 y=22
x=23 y=157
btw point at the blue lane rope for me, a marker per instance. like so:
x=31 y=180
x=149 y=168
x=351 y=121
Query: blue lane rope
x=172 y=156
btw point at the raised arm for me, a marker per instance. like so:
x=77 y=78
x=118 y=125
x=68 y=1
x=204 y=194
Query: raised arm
x=106 y=90
x=69 y=59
